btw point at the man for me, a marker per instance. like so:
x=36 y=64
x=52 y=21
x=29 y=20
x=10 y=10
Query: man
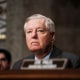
x=5 y=60
x=40 y=37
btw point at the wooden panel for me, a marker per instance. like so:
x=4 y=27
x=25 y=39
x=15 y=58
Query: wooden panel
x=41 y=74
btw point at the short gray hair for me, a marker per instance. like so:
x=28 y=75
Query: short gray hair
x=48 y=22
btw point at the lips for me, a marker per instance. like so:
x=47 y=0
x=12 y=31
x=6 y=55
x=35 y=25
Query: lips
x=34 y=43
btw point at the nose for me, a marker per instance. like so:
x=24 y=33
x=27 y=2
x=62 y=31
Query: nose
x=34 y=34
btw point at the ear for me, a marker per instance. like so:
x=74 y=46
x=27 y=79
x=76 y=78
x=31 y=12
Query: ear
x=53 y=37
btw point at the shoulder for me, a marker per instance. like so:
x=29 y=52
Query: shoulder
x=70 y=55
x=65 y=54
x=18 y=64
x=73 y=57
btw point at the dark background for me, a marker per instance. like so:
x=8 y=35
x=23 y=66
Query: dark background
x=65 y=13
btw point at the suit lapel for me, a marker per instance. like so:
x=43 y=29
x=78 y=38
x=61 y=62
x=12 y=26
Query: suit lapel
x=31 y=56
x=55 y=53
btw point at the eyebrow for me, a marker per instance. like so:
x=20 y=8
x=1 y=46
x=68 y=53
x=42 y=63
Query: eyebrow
x=3 y=59
x=36 y=28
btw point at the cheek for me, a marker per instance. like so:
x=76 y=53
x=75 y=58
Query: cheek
x=5 y=64
x=28 y=42
x=45 y=41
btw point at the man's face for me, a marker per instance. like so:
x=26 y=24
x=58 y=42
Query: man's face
x=3 y=62
x=38 y=36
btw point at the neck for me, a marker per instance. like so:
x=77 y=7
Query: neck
x=41 y=54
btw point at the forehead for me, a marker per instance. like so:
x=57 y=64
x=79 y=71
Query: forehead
x=2 y=55
x=36 y=23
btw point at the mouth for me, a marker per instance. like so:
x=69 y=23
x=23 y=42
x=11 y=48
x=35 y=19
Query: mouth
x=34 y=43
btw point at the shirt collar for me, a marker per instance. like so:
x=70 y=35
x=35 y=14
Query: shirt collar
x=46 y=57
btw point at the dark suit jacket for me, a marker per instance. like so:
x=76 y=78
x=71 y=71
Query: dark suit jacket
x=74 y=60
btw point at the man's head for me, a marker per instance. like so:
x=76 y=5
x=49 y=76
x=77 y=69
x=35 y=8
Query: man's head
x=5 y=60
x=40 y=33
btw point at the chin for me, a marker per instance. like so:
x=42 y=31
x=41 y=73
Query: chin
x=34 y=49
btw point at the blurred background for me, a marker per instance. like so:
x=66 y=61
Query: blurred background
x=65 y=14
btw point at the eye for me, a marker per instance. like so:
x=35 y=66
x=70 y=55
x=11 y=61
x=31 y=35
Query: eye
x=41 y=30
x=28 y=31
x=3 y=59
